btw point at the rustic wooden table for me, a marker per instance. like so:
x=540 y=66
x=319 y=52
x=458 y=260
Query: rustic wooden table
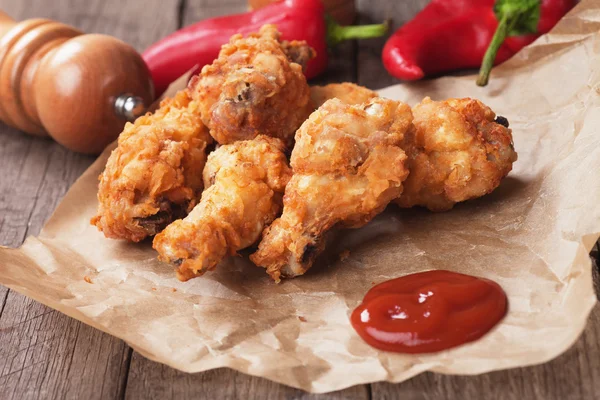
x=45 y=354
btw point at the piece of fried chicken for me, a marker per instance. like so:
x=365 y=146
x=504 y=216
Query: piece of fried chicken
x=244 y=189
x=458 y=150
x=347 y=92
x=348 y=165
x=154 y=176
x=255 y=86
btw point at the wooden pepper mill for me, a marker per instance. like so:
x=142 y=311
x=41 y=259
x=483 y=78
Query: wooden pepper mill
x=79 y=89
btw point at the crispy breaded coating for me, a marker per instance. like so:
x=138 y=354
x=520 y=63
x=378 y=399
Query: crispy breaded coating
x=154 y=176
x=244 y=189
x=347 y=92
x=297 y=51
x=457 y=151
x=348 y=165
x=254 y=87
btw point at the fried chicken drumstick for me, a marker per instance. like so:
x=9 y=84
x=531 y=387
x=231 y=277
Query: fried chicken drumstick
x=255 y=86
x=348 y=165
x=154 y=176
x=244 y=189
x=458 y=150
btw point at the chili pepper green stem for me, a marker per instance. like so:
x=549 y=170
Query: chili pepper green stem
x=337 y=33
x=492 y=50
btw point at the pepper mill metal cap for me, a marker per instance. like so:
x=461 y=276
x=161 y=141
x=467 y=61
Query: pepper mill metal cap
x=129 y=107
x=79 y=89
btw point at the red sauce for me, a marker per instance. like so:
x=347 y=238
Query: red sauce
x=428 y=312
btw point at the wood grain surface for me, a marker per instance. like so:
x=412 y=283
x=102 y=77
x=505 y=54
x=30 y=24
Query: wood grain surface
x=44 y=354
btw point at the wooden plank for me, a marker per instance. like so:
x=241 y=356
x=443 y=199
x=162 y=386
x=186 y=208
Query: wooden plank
x=595 y=254
x=371 y=72
x=148 y=380
x=139 y=23
x=44 y=354
x=198 y=10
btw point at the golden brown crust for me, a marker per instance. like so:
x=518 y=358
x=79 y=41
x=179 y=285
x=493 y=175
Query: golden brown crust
x=298 y=52
x=253 y=88
x=456 y=152
x=347 y=92
x=348 y=166
x=153 y=176
x=244 y=189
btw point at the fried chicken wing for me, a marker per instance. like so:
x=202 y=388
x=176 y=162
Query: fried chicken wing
x=348 y=165
x=347 y=92
x=255 y=87
x=458 y=150
x=245 y=183
x=154 y=175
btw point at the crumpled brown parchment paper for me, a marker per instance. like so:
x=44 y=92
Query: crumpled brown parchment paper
x=532 y=236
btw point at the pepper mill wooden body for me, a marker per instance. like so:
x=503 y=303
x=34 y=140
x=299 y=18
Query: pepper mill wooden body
x=79 y=89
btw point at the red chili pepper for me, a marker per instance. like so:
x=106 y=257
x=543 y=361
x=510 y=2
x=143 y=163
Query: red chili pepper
x=455 y=34
x=199 y=44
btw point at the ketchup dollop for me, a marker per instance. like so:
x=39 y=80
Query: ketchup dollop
x=428 y=312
